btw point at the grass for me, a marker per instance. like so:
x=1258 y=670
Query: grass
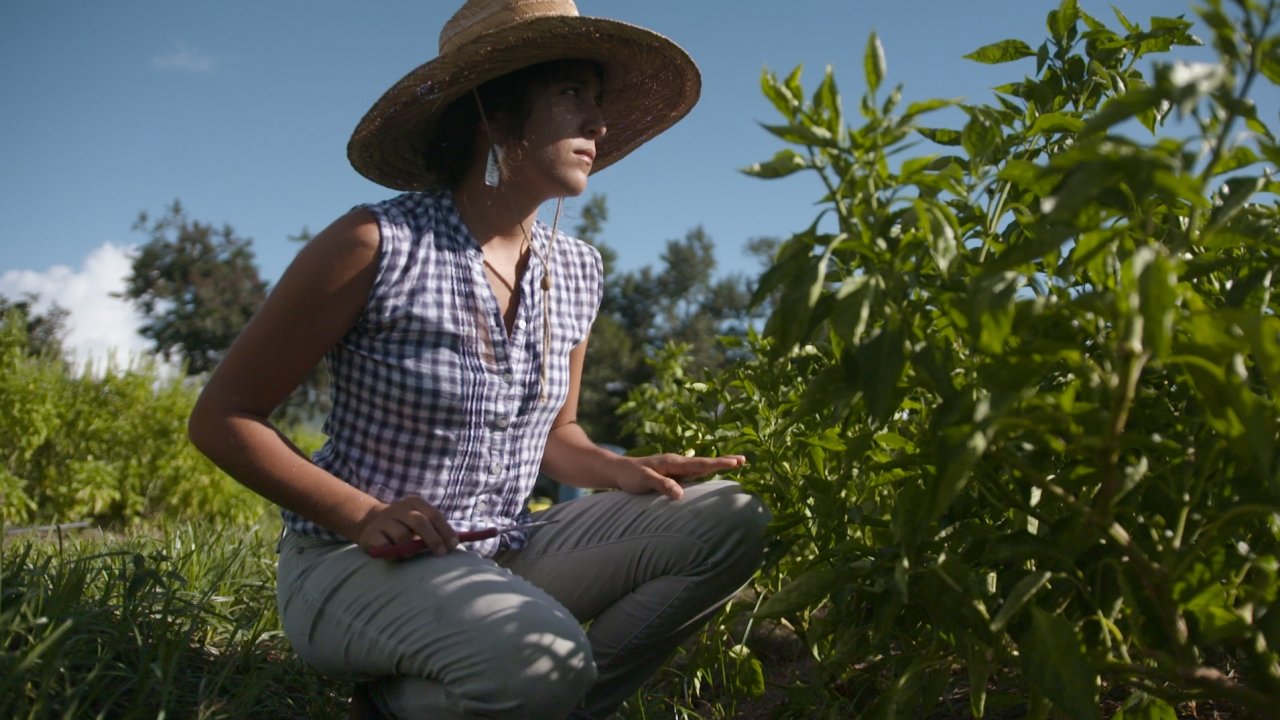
x=181 y=622
x=178 y=623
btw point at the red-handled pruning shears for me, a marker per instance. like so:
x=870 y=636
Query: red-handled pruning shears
x=418 y=545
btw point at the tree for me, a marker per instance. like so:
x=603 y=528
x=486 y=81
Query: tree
x=38 y=334
x=195 y=285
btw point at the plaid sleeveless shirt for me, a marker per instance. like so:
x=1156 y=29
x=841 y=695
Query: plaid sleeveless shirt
x=431 y=397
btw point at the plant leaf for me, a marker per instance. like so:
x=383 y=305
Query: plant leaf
x=874 y=63
x=778 y=94
x=924 y=106
x=784 y=163
x=1141 y=706
x=1128 y=26
x=1057 y=122
x=1001 y=52
x=1018 y=597
x=1054 y=663
x=805 y=591
x=942 y=136
x=803 y=133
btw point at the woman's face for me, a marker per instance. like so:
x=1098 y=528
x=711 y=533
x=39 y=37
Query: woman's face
x=560 y=135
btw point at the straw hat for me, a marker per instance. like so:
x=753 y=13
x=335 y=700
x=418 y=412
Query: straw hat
x=650 y=83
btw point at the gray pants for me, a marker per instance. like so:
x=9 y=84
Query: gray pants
x=462 y=636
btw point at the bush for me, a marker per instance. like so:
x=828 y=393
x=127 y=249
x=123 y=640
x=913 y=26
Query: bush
x=1015 y=411
x=112 y=448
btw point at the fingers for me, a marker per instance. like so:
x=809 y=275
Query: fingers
x=666 y=486
x=685 y=467
x=639 y=479
x=663 y=473
x=403 y=521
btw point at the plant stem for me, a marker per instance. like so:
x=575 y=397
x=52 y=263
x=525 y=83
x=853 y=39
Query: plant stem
x=1242 y=96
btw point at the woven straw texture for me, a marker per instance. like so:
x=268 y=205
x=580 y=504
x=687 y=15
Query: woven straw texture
x=650 y=83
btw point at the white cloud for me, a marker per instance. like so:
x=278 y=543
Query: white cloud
x=101 y=328
x=186 y=58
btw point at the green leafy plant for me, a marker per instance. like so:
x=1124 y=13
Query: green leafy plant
x=110 y=448
x=1015 y=408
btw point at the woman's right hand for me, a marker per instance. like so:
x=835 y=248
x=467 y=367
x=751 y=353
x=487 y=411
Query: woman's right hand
x=402 y=521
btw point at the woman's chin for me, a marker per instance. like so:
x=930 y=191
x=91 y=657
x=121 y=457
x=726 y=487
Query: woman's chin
x=573 y=187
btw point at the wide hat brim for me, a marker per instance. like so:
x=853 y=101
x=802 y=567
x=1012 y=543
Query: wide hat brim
x=650 y=83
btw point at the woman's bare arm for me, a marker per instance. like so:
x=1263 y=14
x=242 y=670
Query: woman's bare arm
x=318 y=299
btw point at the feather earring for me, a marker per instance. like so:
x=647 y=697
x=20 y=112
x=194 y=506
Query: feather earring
x=493 y=166
x=492 y=163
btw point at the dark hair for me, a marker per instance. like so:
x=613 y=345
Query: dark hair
x=507 y=104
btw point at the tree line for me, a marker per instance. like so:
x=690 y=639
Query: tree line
x=196 y=285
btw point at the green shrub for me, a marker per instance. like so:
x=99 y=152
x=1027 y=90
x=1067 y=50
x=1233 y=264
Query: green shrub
x=1015 y=411
x=111 y=449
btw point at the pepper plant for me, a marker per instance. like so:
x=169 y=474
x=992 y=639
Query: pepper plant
x=1015 y=410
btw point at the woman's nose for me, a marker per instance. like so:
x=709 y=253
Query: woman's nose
x=594 y=126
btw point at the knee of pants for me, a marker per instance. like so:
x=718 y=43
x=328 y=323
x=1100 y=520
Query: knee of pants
x=543 y=680
x=735 y=523
x=731 y=523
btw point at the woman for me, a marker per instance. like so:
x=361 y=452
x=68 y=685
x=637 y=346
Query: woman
x=455 y=326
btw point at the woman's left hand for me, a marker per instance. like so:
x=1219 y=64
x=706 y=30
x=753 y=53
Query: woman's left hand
x=663 y=473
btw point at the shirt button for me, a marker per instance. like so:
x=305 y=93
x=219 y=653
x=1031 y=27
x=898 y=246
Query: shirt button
x=507 y=377
x=502 y=423
x=495 y=468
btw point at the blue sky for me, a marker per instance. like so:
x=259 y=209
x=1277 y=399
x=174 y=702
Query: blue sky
x=242 y=109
